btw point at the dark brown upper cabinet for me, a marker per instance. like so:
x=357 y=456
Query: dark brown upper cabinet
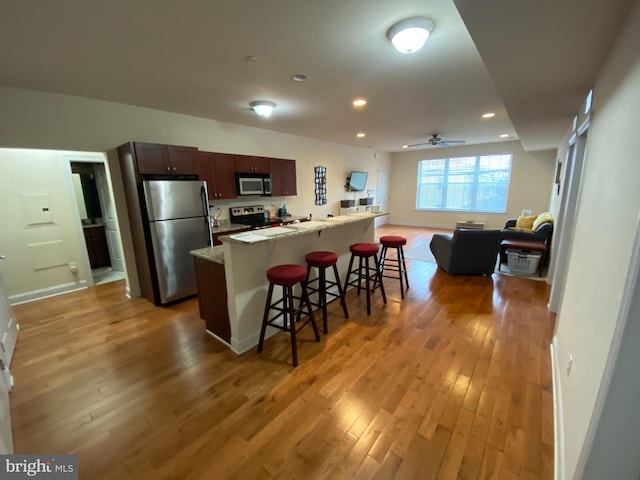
x=251 y=164
x=283 y=177
x=218 y=170
x=159 y=159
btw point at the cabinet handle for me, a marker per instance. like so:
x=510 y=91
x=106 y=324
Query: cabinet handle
x=173 y=168
x=168 y=168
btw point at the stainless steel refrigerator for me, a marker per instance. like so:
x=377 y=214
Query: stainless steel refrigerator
x=178 y=212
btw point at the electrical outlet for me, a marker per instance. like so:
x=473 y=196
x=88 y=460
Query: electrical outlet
x=569 y=365
x=73 y=267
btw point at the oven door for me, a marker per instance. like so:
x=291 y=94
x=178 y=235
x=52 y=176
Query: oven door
x=250 y=185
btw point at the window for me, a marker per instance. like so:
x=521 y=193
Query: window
x=475 y=184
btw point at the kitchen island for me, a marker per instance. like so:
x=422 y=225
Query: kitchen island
x=232 y=283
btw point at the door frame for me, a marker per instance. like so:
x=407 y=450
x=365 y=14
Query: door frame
x=96 y=158
x=383 y=172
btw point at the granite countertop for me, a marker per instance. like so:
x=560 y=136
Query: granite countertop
x=213 y=254
x=228 y=227
x=216 y=254
x=295 y=229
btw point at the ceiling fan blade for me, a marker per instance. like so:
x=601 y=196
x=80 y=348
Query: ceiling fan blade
x=426 y=144
x=449 y=143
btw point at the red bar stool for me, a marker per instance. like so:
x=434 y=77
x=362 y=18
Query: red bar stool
x=323 y=260
x=397 y=264
x=364 y=251
x=287 y=276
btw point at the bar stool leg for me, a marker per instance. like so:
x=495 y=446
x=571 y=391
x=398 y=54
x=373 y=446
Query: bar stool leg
x=265 y=317
x=346 y=281
x=341 y=292
x=383 y=257
x=360 y=265
x=289 y=315
x=304 y=297
x=367 y=283
x=322 y=300
x=379 y=278
x=404 y=267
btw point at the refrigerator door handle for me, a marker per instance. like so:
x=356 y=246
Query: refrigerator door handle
x=205 y=211
x=205 y=199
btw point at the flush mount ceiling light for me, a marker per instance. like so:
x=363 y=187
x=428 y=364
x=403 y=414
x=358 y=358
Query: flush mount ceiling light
x=262 y=108
x=488 y=115
x=409 y=35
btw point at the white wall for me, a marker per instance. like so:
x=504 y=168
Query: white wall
x=39 y=244
x=531 y=178
x=607 y=218
x=30 y=119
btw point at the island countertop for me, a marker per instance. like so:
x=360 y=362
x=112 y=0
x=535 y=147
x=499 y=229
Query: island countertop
x=237 y=269
x=296 y=229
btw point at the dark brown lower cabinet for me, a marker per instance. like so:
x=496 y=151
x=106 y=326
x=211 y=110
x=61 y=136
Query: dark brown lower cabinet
x=96 y=240
x=212 y=297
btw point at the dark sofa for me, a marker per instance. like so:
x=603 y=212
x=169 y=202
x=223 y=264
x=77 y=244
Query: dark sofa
x=467 y=252
x=542 y=234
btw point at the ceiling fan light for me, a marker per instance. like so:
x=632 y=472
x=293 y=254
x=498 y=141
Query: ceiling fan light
x=409 y=35
x=263 y=108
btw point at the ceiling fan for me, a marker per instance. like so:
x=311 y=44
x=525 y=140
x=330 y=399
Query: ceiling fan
x=436 y=141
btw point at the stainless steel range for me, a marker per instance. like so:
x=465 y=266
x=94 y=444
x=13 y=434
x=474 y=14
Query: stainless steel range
x=255 y=216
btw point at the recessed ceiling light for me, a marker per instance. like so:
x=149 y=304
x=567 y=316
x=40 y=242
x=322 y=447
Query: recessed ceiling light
x=300 y=77
x=405 y=146
x=488 y=115
x=251 y=59
x=504 y=135
x=360 y=135
x=359 y=102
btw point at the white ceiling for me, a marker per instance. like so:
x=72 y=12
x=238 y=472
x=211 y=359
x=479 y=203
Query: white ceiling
x=190 y=57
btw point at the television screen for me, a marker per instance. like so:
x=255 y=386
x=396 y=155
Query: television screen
x=357 y=181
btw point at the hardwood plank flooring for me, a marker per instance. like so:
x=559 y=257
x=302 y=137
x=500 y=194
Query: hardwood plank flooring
x=454 y=381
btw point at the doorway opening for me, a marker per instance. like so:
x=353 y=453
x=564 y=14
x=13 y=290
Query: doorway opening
x=96 y=214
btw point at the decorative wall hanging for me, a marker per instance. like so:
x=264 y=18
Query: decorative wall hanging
x=321 y=185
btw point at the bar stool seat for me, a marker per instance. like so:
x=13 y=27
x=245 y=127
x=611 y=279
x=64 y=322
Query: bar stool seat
x=323 y=260
x=287 y=276
x=397 y=264
x=365 y=251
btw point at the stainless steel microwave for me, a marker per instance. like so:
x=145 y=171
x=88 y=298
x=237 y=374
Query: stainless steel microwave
x=253 y=183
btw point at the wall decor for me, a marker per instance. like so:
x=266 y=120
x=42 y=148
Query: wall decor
x=321 y=185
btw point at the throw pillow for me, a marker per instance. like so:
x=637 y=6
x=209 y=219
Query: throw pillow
x=516 y=229
x=525 y=223
x=542 y=218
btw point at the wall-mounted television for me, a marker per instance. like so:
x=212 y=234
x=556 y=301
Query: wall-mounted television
x=357 y=181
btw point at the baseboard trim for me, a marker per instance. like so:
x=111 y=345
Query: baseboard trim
x=422 y=224
x=241 y=346
x=558 y=425
x=47 y=292
x=209 y=332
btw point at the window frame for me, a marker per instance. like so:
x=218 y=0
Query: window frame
x=474 y=186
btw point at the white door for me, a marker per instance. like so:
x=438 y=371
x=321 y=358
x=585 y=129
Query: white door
x=109 y=217
x=382 y=194
x=6 y=438
x=8 y=326
x=9 y=331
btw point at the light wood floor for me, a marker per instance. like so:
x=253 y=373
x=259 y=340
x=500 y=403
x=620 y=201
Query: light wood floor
x=452 y=382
